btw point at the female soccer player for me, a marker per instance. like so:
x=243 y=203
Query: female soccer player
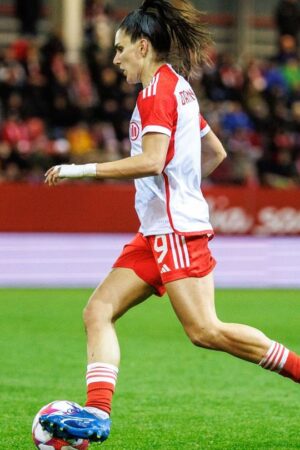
x=170 y=252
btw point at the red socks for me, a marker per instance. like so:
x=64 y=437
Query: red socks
x=101 y=381
x=291 y=369
x=101 y=377
x=280 y=359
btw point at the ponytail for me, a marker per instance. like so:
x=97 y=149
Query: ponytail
x=175 y=30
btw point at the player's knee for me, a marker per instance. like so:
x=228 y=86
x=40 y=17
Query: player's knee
x=95 y=314
x=207 y=336
x=88 y=316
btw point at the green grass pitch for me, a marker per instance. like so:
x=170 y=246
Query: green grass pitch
x=170 y=395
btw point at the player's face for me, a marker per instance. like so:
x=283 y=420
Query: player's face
x=129 y=57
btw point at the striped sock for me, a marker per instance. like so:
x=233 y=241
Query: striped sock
x=101 y=380
x=281 y=360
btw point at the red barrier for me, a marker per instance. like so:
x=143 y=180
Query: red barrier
x=264 y=211
x=84 y=207
x=72 y=207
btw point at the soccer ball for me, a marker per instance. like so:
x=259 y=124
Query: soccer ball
x=46 y=441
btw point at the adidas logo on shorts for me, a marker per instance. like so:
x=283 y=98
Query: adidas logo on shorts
x=165 y=268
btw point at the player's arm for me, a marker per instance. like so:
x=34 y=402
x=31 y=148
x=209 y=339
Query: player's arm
x=150 y=162
x=212 y=153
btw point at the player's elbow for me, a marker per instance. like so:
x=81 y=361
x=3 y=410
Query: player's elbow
x=155 y=167
x=158 y=169
x=212 y=147
x=222 y=154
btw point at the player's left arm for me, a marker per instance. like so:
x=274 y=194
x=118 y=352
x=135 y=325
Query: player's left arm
x=149 y=163
x=212 y=153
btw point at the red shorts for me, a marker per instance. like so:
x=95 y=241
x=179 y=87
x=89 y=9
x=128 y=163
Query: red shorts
x=168 y=257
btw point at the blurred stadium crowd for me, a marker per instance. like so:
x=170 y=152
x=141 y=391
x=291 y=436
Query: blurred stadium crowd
x=52 y=112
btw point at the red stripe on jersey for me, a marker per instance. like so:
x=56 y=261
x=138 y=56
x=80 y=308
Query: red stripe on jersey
x=171 y=148
x=209 y=233
x=170 y=156
x=167 y=189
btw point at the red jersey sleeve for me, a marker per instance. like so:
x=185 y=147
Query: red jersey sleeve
x=157 y=106
x=204 y=127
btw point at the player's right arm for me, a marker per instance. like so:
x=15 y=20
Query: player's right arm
x=150 y=162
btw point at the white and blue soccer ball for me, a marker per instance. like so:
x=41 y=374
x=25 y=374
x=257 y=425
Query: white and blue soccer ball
x=44 y=440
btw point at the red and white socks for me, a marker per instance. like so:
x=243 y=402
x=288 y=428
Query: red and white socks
x=101 y=380
x=281 y=360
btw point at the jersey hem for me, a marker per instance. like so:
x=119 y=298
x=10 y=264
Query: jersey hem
x=210 y=233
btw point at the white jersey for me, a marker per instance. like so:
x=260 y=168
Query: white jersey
x=172 y=201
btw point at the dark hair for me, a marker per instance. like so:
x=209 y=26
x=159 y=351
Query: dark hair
x=175 y=30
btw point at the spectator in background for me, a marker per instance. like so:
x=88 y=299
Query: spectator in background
x=63 y=112
x=82 y=91
x=291 y=74
x=53 y=46
x=287 y=49
x=278 y=170
x=287 y=17
x=35 y=90
x=28 y=12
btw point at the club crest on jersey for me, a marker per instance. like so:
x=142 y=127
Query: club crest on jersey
x=134 y=130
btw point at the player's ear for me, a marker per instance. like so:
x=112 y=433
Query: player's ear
x=144 y=46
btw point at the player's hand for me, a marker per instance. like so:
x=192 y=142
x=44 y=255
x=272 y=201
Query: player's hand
x=52 y=175
x=70 y=171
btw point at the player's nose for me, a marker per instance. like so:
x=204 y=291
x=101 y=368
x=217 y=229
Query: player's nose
x=116 y=60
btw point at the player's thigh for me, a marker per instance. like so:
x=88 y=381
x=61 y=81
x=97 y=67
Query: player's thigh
x=121 y=290
x=193 y=301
